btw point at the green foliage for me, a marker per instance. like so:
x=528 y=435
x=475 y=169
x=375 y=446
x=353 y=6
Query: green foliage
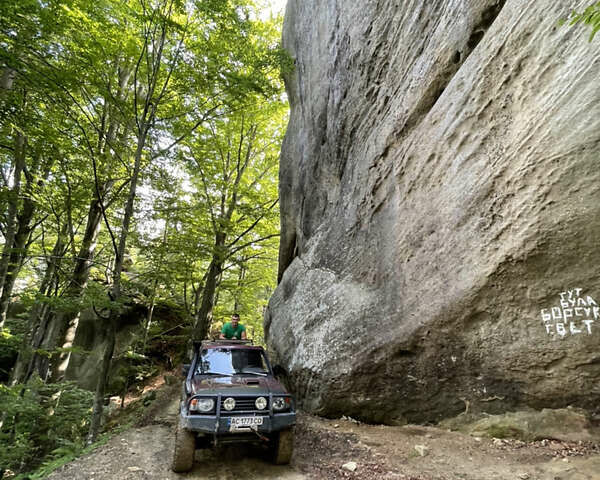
x=228 y=212
x=43 y=422
x=168 y=334
x=590 y=17
x=83 y=69
x=133 y=369
x=88 y=82
x=69 y=455
x=9 y=346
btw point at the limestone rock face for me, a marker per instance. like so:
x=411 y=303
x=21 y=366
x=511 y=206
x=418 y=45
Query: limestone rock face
x=90 y=343
x=440 y=202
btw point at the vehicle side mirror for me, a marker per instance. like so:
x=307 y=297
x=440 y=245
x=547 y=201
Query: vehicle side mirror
x=185 y=369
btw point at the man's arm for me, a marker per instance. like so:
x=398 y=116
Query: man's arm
x=222 y=335
x=243 y=334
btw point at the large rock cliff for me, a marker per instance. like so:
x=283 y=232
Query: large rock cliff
x=440 y=202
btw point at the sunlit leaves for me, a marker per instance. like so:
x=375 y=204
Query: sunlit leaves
x=202 y=79
x=590 y=17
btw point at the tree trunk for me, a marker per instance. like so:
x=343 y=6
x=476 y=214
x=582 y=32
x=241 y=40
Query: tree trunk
x=240 y=283
x=38 y=315
x=149 y=318
x=13 y=205
x=155 y=288
x=111 y=324
x=65 y=323
x=6 y=85
x=144 y=123
x=7 y=79
x=17 y=254
x=23 y=220
x=204 y=315
x=64 y=327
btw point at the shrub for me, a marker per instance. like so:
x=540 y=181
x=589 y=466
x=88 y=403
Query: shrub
x=42 y=422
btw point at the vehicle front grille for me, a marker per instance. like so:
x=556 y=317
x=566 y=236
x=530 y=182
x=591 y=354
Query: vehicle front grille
x=243 y=405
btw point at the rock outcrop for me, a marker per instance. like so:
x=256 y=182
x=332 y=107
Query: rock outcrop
x=440 y=203
x=90 y=344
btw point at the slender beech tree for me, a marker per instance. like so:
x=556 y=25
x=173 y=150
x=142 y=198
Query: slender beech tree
x=231 y=159
x=152 y=74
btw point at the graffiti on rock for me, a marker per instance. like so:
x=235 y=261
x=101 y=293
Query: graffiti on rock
x=575 y=314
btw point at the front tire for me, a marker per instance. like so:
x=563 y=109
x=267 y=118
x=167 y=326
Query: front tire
x=283 y=447
x=183 y=452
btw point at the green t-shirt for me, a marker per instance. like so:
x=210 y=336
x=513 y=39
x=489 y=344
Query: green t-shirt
x=231 y=332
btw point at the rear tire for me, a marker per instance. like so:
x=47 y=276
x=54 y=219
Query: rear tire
x=283 y=447
x=183 y=452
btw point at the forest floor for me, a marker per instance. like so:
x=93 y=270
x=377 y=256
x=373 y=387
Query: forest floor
x=323 y=447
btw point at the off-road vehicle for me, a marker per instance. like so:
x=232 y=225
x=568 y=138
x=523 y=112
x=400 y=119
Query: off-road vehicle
x=231 y=395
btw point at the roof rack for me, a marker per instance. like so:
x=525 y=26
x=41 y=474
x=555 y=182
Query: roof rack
x=221 y=341
x=232 y=341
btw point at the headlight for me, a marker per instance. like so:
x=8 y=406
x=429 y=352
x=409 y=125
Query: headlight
x=229 y=403
x=202 y=404
x=261 y=403
x=281 y=403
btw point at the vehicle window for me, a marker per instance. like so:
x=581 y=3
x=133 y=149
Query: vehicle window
x=231 y=362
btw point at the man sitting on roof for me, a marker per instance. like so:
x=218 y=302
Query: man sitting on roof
x=233 y=329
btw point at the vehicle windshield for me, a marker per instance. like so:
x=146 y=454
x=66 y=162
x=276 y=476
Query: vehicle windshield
x=224 y=361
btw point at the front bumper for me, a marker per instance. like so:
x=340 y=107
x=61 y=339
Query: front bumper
x=220 y=425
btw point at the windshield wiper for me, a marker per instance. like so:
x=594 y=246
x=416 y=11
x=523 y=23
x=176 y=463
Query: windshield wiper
x=218 y=373
x=262 y=374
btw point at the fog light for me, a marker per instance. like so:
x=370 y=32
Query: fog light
x=281 y=403
x=229 y=403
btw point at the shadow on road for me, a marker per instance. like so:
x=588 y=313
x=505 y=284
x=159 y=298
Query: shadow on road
x=237 y=462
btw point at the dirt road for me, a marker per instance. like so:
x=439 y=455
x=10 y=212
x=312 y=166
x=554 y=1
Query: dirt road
x=144 y=453
x=324 y=446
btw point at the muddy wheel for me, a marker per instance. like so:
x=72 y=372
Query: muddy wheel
x=183 y=453
x=283 y=447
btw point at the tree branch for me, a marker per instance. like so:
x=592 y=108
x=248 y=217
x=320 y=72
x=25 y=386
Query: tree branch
x=248 y=244
x=253 y=224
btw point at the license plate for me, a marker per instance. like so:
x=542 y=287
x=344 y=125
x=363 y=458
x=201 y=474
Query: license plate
x=237 y=423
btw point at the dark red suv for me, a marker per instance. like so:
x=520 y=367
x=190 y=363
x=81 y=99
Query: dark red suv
x=230 y=395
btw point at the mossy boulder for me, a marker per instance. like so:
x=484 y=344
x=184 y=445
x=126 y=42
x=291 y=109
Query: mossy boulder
x=565 y=424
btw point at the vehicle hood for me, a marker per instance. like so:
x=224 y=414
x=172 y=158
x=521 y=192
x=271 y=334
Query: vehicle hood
x=236 y=385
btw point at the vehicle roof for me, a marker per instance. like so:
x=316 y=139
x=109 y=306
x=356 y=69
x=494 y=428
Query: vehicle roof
x=232 y=347
x=229 y=344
